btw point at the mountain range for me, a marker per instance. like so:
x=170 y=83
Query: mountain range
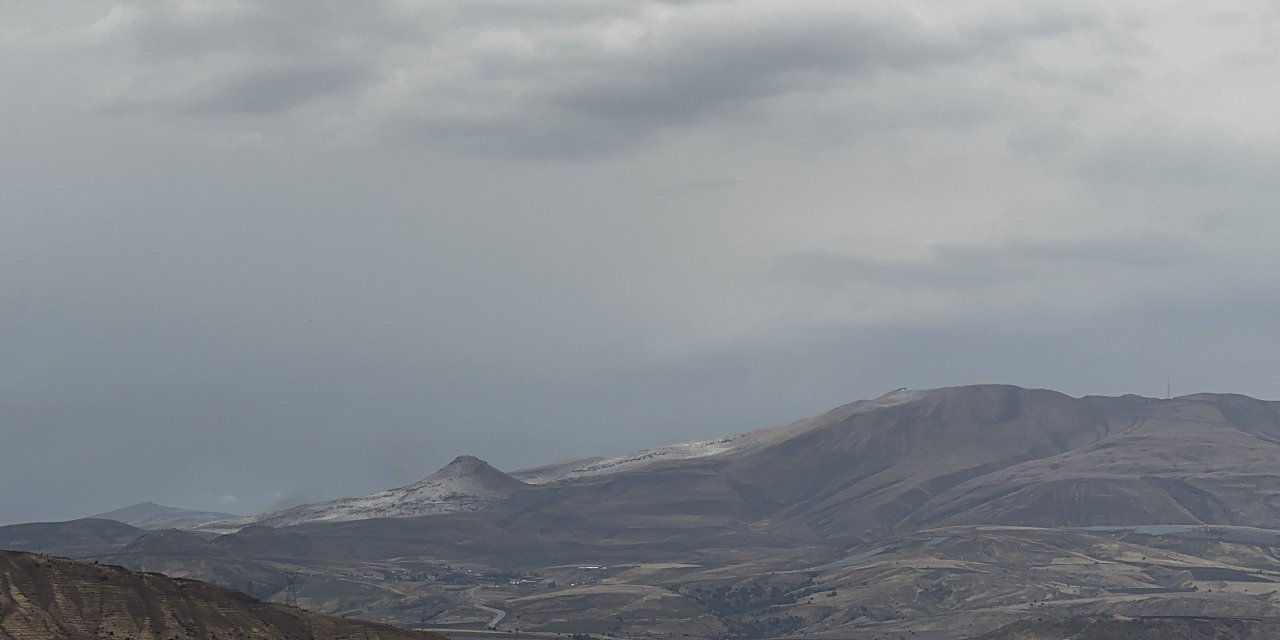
x=943 y=513
x=906 y=460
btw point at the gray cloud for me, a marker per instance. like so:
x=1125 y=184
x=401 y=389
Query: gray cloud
x=296 y=250
x=969 y=266
x=693 y=187
x=1154 y=251
x=1168 y=158
x=826 y=270
x=275 y=90
x=562 y=80
x=258 y=92
x=716 y=68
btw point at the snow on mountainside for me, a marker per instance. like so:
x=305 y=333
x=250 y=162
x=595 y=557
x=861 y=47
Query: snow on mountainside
x=702 y=448
x=634 y=460
x=466 y=484
x=469 y=484
x=149 y=515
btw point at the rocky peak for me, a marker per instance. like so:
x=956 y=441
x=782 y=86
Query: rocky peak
x=470 y=473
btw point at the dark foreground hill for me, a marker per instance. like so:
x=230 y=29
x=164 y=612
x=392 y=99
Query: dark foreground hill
x=1112 y=628
x=47 y=598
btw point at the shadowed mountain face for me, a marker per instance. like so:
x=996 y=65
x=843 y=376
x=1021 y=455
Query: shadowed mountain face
x=75 y=538
x=926 y=511
x=50 y=598
x=1200 y=459
x=863 y=473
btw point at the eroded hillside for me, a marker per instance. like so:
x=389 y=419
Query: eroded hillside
x=48 y=598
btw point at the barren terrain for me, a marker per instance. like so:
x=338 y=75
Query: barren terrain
x=931 y=514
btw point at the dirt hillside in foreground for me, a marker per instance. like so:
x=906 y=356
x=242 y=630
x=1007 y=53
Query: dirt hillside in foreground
x=47 y=598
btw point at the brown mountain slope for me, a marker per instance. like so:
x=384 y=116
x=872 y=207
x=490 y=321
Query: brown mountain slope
x=1210 y=459
x=48 y=598
x=995 y=454
x=863 y=474
x=74 y=538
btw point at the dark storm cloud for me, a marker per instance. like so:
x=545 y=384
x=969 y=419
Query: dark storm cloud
x=690 y=77
x=718 y=69
x=556 y=80
x=248 y=58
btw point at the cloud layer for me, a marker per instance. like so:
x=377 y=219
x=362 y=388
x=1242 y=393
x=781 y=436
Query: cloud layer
x=274 y=251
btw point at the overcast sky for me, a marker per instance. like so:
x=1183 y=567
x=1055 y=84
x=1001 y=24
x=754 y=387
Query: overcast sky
x=255 y=253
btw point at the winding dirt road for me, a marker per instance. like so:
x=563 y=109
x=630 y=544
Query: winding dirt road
x=498 y=614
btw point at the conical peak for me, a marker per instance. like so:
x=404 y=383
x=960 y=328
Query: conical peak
x=470 y=469
x=466 y=465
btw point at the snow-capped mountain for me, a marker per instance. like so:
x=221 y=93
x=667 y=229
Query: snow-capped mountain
x=466 y=484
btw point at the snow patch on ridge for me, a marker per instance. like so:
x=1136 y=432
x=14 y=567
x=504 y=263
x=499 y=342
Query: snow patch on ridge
x=895 y=397
x=467 y=484
x=645 y=457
